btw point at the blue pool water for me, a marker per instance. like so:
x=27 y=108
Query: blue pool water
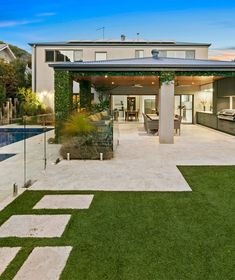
x=12 y=135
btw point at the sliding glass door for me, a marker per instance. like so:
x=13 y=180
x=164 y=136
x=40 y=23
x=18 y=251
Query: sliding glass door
x=184 y=107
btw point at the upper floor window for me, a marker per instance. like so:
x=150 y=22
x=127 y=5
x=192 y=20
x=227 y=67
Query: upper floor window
x=78 y=55
x=63 y=55
x=59 y=57
x=100 y=56
x=139 y=53
x=50 y=56
x=190 y=54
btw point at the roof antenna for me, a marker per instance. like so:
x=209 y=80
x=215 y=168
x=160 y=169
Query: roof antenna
x=138 y=36
x=103 y=30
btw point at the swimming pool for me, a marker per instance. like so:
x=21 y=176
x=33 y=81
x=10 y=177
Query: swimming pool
x=12 y=135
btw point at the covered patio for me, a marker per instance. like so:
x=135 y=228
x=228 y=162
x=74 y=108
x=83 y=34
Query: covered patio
x=142 y=164
x=160 y=76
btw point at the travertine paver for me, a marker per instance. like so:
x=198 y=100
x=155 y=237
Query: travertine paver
x=45 y=263
x=64 y=202
x=141 y=163
x=7 y=254
x=34 y=226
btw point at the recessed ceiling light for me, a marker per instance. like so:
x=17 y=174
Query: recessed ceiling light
x=112 y=83
x=153 y=83
x=106 y=76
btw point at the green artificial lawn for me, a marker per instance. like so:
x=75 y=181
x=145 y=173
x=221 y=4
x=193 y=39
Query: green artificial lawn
x=144 y=235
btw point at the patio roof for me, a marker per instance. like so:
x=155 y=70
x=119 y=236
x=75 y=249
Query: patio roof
x=147 y=64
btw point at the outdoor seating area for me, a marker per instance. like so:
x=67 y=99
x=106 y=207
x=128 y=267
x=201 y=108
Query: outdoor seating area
x=131 y=115
x=151 y=123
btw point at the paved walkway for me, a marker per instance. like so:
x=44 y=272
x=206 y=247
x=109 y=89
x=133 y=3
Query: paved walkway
x=142 y=164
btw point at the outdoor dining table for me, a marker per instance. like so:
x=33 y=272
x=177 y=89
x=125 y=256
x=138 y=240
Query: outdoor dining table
x=155 y=117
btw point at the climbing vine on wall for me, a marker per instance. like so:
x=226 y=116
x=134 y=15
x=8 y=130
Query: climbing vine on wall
x=156 y=73
x=85 y=94
x=63 y=98
x=166 y=77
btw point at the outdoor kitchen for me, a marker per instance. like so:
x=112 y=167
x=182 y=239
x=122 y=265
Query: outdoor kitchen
x=222 y=115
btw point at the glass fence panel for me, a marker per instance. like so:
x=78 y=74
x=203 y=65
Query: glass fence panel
x=29 y=148
x=40 y=150
x=11 y=157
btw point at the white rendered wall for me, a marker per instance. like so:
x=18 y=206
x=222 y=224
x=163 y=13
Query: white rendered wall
x=166 y=113
x=45 y=74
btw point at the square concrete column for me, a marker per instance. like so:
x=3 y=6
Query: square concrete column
x=166 y=113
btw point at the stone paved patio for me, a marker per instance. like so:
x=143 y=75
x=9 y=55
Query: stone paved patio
x=7 y=254
x=142 y=164
x=34 y=226
x=64 y=202
x=44 y=263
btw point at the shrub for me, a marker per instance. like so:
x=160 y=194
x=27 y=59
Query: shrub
x=30 y=103
x=78 y=124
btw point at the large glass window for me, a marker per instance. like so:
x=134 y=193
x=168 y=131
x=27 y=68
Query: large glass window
x=100 y=56
x=59 y=57
x=50 y=56
x=176 y=54
x=139 y=53
x=190 y=54
x=68 y=55
x=63 y=55
x=78 y=55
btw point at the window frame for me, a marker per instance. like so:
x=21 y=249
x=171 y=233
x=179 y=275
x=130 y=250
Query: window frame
x=101 y=52
x=61 y=50
x=45 y=56
x=139 y=50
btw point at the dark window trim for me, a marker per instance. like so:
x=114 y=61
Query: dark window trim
x=54 y=50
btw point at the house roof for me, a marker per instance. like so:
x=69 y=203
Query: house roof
x=127 y=42
x=148 y=64
x=5 y=46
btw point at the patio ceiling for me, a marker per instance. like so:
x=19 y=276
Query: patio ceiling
x=146 y=80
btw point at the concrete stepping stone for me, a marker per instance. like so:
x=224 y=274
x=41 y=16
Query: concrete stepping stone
x=7 y=254
x=34 y=226
x=45 y=263
x=65 y=202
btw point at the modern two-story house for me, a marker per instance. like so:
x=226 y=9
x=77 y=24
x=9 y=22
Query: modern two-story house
x=133 y=68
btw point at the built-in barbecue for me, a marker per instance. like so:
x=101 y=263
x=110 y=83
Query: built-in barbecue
x=227 y=114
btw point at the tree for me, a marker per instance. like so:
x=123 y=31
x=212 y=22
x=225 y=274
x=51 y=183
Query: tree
x=22 y=79
x=13 y=76
x=8 y=78
x=2 y=94
x=30 y=103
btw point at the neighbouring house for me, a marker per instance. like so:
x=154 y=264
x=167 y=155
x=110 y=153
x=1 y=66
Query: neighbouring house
x=173 y=78
x=6 y=53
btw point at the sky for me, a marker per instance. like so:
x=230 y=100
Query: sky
x=208 y=21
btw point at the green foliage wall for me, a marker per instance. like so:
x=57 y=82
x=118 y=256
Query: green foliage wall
x=166 y=77
x=63 y=98
x=85 y=94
